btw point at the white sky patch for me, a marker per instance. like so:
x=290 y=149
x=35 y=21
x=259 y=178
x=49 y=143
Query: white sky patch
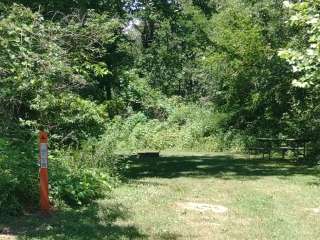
x=131 y=26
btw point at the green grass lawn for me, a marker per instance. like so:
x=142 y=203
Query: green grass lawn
x=265 y=200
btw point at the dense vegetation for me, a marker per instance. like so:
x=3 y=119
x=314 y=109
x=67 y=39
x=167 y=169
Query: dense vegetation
x=104 y=76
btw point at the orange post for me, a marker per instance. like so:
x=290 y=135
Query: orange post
x=43 y=159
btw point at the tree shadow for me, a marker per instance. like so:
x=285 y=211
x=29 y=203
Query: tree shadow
x=314 y=183
x=94 y=222
x=219 y=166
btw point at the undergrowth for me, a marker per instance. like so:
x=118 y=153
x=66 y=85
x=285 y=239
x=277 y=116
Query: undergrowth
x=77 y=176
x=186 y=127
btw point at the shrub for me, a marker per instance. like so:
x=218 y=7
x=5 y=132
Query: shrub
x=77 y=187
x=80 y=176
x=9 y=203
x=76 y=176
x=18 y=177
x=188 y=127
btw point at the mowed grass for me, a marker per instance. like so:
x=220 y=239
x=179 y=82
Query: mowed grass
x=265 y=200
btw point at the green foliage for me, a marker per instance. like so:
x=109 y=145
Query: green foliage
x=77 y=187
x=186 y=75
x=76 y=176
x=186 y=128
x=245 y=77
x=304 y=54
x=138 y=94
x=18 y=176
x=80 y=176
x=57 y=74
x=75 y=113
x=39 y=85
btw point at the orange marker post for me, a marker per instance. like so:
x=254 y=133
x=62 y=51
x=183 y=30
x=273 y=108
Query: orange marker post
x=43 y=159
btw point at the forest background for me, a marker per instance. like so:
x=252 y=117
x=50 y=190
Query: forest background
x=110 y=76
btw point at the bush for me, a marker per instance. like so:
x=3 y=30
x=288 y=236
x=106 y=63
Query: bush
x=188 y=127
x=9 y=203
x=80 y=176
x=77 y=187
x=76 y=176
x=18 y=177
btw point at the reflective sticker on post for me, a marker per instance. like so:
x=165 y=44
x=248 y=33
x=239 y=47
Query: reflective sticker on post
x=43 y=155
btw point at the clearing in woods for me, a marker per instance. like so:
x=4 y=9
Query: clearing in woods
x=188 y=196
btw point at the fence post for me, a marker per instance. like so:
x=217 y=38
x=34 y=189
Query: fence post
x=43 y=160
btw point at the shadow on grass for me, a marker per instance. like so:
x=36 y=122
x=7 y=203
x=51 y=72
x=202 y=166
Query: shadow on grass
x=314 y=183
x=90 y=223
x=219 y=166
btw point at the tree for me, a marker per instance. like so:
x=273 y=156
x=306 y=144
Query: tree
x=45 y=77
x=244 y=74
x=303 y=54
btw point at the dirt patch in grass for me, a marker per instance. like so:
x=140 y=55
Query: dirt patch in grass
x=315 y=210
x=5 y=234
x=202 y=207
x=7 y=237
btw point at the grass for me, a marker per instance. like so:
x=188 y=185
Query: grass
x=265 y=200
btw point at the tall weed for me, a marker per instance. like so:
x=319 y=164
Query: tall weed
x=188 y=127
